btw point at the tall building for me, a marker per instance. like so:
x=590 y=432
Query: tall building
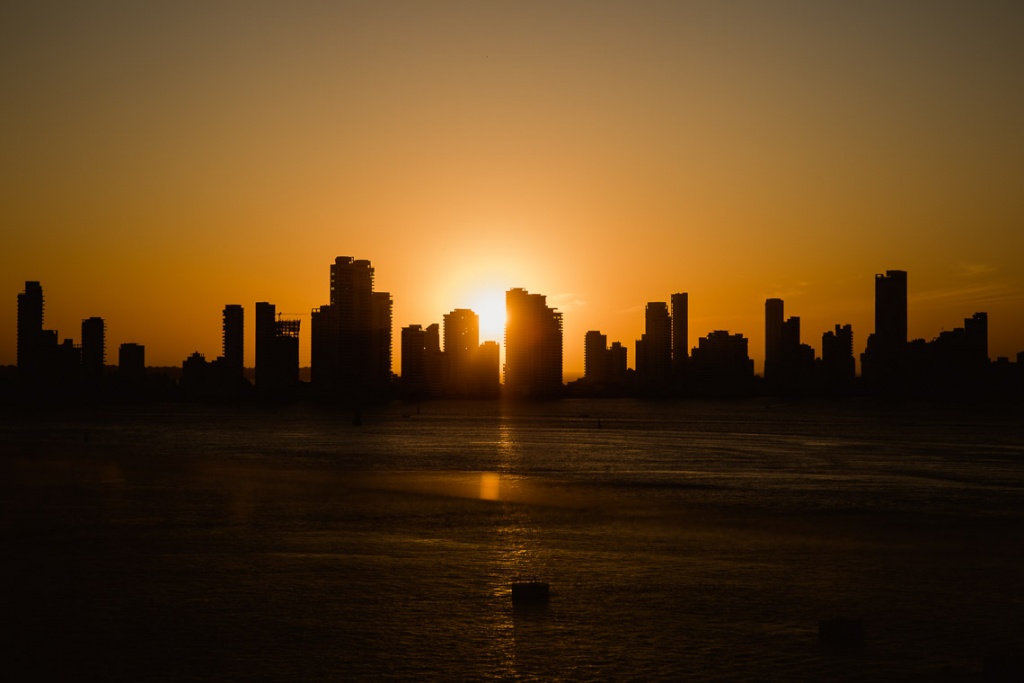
x=351 y=336
x=461 y=344
x=773 y=321
x=487 y=378
x=837 y=358
x=680 y=333
x=94 y=348
x=30 y=332
x=414 y=360
x=891 y=309
x=277 y=350
x=617 y=365
x=533 y=345
x=233 y=340
x=595 y=358
x=881 y=362
x=654 y=348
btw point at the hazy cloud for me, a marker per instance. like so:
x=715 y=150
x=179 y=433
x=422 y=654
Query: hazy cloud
x=973 y=270
x=566 y=302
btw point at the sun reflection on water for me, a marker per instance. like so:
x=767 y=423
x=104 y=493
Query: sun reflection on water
x=490 y=486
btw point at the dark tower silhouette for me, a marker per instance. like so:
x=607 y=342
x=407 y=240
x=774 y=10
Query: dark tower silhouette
x=351 y=336
x=654 y=349
x=461 y=345
x=773 y=319
x=595 y=358
x=891 y=309
x=30 y=332
x=277 y=351
x=680 y=333
x=414 y=360
x=233 y=340
x=882 y=361
x=838 y=363
x=94 y=348
x=533 y=345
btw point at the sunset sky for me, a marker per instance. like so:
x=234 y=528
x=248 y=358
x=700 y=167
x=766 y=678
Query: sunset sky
x=159 y=160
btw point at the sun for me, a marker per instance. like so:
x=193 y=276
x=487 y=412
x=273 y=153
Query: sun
x=490 y=306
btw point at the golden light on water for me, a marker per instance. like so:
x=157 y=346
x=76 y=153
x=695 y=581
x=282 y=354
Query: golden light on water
x=490 y=486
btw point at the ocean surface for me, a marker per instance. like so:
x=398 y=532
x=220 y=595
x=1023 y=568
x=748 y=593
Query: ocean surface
x=682 y=541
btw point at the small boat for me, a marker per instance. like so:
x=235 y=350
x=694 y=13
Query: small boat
x=530 y=592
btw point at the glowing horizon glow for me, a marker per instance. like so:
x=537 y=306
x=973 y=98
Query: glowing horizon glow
x=603 y=157
x=490 y=307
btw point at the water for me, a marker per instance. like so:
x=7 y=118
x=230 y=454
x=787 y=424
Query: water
x=698 y=541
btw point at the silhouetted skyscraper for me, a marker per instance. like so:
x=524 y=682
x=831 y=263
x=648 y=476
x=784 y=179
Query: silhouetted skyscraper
x=680 y=333
x=891 y=309
x=30 y=332
x=94 y=348
x=654 y=349
x=595 y=357
x=277 y=350
x=233 y=340
x=351 y=336
x=837 y=358
x=461 y=343
x=773 y=319
x=533 y=345
x=414 y=360
x=881 y=363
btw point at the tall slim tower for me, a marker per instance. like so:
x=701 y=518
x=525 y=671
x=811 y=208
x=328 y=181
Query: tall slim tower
x=881 y=362
x=680 y=333
x=461 y=342
x=94 y=347
x=891 y=309
x=654 y=349
x=533 y=345
x=233 y=339
x=30 y=330
x=595 y=357
x=773 y=321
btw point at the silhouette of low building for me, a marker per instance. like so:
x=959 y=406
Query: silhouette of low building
x=720 y=365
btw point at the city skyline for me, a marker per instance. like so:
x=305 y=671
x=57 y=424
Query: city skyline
x=160 y=163
x=361 y=346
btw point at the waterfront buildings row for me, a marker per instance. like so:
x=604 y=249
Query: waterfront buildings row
x=351 y=353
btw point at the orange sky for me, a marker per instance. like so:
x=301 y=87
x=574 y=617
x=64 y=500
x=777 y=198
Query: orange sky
x=158 y=162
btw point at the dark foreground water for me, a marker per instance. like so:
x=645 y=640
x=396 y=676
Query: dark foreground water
x=691 y=541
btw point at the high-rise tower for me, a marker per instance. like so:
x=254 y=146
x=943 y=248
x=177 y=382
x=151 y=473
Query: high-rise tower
x=680 y=333
x=773 y=321
x=654 y=348
x=351 y=336
x=533 y=345
x=461 y=343
x=233 y=340
x=94 y=348
x=30 y=331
